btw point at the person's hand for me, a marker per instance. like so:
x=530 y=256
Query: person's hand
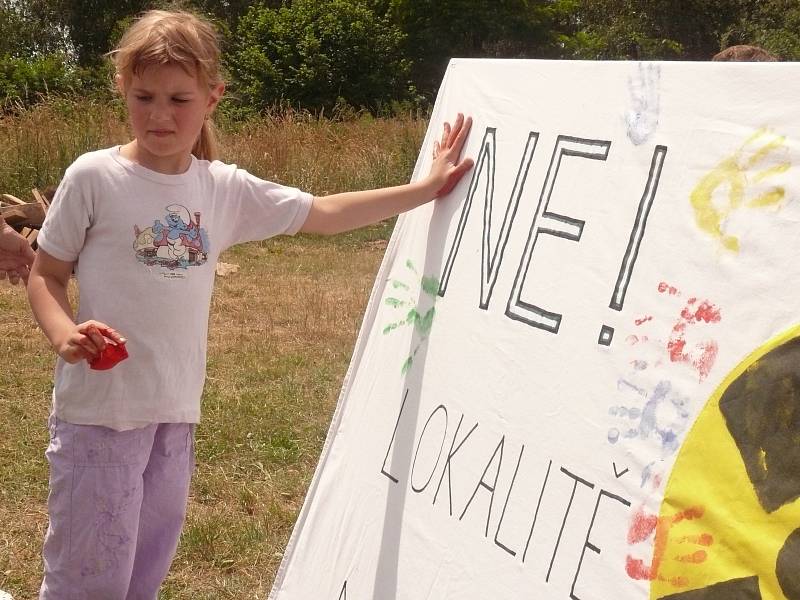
x=448 y=168
x=16 y=255
x=87 y=340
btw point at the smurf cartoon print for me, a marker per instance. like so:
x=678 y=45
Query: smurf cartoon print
x=178 y=243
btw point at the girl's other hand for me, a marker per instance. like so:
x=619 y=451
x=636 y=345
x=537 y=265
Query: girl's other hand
x=87 y=340
x=448 y=168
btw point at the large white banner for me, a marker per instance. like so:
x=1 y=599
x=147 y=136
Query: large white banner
x=579 y=374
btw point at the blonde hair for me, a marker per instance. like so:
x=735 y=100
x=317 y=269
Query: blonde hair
x=160 y=37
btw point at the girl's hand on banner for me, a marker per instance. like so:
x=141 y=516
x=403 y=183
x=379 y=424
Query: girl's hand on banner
x=448 y=167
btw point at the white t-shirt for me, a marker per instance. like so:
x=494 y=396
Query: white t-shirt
x=146 y=246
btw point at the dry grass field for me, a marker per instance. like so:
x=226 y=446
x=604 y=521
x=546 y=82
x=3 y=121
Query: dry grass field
x=282 y=330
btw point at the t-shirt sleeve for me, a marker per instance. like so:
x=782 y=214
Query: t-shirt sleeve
x=69 y=217
x=256 y=209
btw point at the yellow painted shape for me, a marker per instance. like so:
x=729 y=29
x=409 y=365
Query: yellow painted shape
x=709 y=472
x=767 y=199
x=735 y=172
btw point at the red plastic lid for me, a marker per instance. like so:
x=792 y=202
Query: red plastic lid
x=109 y=357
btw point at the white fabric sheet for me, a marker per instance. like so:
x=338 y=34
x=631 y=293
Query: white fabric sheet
x=540 y=345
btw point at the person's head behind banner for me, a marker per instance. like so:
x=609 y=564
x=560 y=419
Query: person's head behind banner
x=744 y=53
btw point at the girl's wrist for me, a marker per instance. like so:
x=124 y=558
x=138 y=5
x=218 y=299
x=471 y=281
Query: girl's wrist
x=59 y=338
x=429 y=187
x=57 y=344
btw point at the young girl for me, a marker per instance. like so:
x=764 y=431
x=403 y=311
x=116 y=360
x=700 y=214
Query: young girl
x=143 y=225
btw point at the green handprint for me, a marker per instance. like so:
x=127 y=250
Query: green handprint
x=736 y=171
x=417 y=316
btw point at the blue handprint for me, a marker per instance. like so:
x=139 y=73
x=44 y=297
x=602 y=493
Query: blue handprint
x=662 y=418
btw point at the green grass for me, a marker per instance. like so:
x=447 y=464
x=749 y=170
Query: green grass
x=281 y=335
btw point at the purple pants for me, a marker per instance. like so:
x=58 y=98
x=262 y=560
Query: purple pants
x=117 y=504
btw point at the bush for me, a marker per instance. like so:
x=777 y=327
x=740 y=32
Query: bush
x=318 y=54
x=26 y=80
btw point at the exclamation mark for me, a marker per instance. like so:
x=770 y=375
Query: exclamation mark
x=635 y=241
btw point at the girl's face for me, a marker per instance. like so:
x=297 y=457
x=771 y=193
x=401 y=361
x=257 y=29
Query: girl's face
x=167 y=107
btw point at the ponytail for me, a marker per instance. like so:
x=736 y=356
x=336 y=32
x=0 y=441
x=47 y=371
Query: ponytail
x=207 y=146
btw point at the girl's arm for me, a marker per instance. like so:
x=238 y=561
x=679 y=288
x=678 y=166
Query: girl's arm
x=47 y=294
x=350 y=210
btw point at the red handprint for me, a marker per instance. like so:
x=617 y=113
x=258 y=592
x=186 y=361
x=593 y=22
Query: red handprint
x=702 y=355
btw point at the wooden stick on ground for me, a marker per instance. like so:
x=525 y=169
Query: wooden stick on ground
x=41 y=199
x=27 y=214
x=9 y=199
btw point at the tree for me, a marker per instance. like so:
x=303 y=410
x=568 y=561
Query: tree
x=437 y=30
x=317 y=53
x=29 y=28
x=772 y=24
x=652 y=29
x=92 y=23
x=34 y=52
x=230 y=11
x=95 y=26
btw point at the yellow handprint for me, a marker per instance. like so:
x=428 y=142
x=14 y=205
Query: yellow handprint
x=735 y=171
